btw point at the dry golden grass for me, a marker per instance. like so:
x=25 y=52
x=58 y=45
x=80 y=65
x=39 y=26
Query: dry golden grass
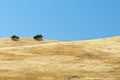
x=28 y=59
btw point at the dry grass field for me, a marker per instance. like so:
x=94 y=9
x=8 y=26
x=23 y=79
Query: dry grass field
x=28 y=59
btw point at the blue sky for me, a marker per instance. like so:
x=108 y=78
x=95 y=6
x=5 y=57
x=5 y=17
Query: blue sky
x=60 y=19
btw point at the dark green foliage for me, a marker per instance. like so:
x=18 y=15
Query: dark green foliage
x=15 y=38
x=38 y=37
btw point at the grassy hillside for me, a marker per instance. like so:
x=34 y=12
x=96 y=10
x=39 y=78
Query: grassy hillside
x=28 y=59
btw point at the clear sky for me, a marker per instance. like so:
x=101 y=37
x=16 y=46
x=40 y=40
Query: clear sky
x=60 y=19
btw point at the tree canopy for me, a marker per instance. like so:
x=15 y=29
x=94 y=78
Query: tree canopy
x=15 y=38
x=38 y=37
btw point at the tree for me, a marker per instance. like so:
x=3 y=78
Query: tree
x=15 y=38
x=38 y=37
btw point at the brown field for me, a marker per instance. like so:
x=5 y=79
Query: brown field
x=28 y=59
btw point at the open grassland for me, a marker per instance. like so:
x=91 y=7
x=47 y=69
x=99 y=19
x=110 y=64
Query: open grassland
x=28 y=59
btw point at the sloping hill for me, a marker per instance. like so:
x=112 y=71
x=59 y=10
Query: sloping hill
x=28 y=59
